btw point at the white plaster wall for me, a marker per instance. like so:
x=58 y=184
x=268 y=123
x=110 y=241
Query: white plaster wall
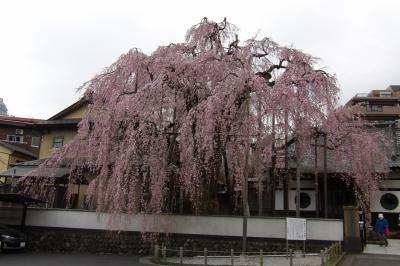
x=329 y=229
x=317 y=229
x=376 y=204
x=292 y=203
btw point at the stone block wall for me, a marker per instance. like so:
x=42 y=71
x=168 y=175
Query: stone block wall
x=101 y=241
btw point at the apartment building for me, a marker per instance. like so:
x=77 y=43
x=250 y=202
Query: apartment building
x=382 y=107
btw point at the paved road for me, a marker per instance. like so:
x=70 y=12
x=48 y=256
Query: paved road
x=52 y=259
x=370 y=260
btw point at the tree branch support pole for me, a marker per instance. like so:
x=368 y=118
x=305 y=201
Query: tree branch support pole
x=273 y=165
x=316 y=175
x=260 y=196
x=245 y=185
x=287 y=176
x=256 y=160
x=325 y=179
x=298 y=184
x=245 y=200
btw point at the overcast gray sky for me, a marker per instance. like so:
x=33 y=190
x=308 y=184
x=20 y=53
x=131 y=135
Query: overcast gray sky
x=49 y=48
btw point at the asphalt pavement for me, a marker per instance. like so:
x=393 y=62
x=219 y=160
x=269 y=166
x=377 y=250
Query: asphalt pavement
x=370 y=260
x=66 y=259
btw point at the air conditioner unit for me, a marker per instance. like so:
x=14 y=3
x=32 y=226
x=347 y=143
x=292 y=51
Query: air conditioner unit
x=19 y=131
x=386 y=201
x=307 y=202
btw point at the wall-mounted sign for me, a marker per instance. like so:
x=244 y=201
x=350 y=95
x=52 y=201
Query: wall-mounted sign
x=296 y=229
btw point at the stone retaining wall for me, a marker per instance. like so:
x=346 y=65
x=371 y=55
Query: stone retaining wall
x=101 y=241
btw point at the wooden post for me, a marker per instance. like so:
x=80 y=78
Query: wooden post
x=261 y=258
x=316 y=175
x=260 y=196
x=336 y=249
x=156 y=251
x=352 y=236
x=164 y=252
x=322 y=254
x=298 y=184
x=180 y=201
x=181 y=255
x=291 y=257
x=205 y=256
x=287 y=175
x=287 y=248
x=325 y=179
x=273 y=166
x=245 y=201
x=256 y=160
x=232 y=258
x=326 y=252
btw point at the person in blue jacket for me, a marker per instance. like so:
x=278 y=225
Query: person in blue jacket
x=381 y=226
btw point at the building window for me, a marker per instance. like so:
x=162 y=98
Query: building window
x=389 y=201
x=385 y=93
x=398 y=137
x=58 y=142
x=305 y=200
x=15 y=138
x=35 y=142
x=374 y=108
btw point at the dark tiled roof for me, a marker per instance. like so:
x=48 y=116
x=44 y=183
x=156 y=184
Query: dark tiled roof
x=60 y=122
x=394 y=87
x=17 y=149
x=19 y=119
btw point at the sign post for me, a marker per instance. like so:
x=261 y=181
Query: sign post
x=296 y=229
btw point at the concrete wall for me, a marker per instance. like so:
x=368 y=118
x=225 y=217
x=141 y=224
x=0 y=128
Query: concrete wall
x=317 y=229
